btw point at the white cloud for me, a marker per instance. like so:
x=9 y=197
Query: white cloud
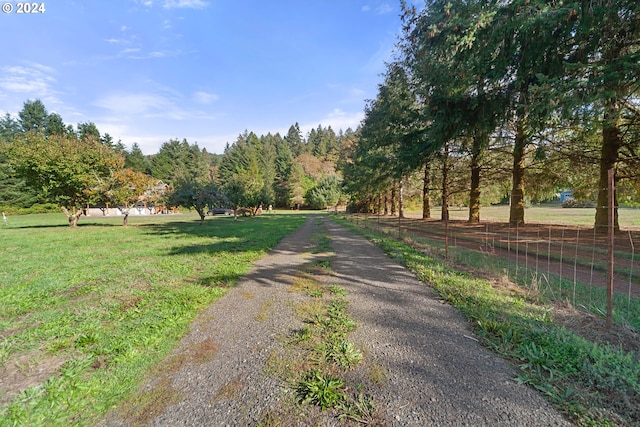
x=137 y=53
x=128 y=51
x=132 y=104
x=158 y=54
x=116 y=41
x=204 y=97
x=357 y=93
x=150 y=142
x=383 y=9
x=184 y=4
x=32 y=80
x=141 y=110
x=337 y=119
x=376 y=62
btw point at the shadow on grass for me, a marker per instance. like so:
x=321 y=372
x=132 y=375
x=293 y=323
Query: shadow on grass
x=244 y=235
x=228 y=246
x=220 y=280
x=38 y=226
x=80 y=224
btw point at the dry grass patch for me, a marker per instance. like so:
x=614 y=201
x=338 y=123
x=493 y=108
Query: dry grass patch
x=203 y=351
x=310 y=309
x=265 y=310
x=128 y=302
x=231 y=390
x=277 y=365
x=304 y=283
x=291 y=414
x=319 y=267
x=150 y=404
x=247 y=294
x=377 y=374
x=24 y=371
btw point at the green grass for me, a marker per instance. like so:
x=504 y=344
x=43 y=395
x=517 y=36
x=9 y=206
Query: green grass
x=596 y=385
x=551 y=287
x=592 y=298
x=86 y=312
x=543 y=214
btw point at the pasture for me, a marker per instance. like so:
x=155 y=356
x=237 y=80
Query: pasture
x=85 y=312
x=544 y=214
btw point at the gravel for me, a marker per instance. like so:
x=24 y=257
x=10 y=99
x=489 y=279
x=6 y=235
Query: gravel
x=436 y=373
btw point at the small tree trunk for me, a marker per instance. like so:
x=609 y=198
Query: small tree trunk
x=479 y=142
x=444 y=216
x=611 y=143
x=125 y=210
x=426 y=192
x=72 y=217
x=400 y=199
x=516 y=211
x=393 y=200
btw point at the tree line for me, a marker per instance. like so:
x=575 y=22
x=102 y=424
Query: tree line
x=487 y=99
x=43 y=160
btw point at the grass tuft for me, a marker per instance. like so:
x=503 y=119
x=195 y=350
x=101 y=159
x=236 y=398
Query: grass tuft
x=321 y=389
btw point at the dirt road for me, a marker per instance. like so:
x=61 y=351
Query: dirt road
x=436 y=373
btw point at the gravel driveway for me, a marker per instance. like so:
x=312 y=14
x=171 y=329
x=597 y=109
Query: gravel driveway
x=436 y=372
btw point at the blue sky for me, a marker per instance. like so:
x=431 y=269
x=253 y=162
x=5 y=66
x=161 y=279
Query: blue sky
x=147 y=71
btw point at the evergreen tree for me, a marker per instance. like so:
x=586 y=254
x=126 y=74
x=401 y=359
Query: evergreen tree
x=241 y=173
x=136 y=160
x=284 y=170
x=55 y=125
x=14 y=192
x=295 y=141
x=269 y=156
x=177 y=160
x=88 y=130
x=9 y=128
x=33 y=116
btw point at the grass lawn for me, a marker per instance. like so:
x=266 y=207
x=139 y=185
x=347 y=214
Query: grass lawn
x=545 y=214
x=86 y=312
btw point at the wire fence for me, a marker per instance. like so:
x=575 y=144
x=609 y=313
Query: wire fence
x=567 y=263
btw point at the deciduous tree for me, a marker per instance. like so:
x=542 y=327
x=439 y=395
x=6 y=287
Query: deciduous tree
x=123 y=188
x=63 y=168
x=196 y=195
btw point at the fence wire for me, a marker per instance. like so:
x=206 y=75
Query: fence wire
x=568 y=263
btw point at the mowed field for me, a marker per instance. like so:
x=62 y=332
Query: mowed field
x=85 y=312
x=629 y=218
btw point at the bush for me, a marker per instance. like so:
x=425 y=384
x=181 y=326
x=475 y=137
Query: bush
x=34 y=209
x=573 y=203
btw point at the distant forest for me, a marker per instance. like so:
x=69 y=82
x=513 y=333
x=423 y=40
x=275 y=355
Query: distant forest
x=484 y=102
x=293 y=171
